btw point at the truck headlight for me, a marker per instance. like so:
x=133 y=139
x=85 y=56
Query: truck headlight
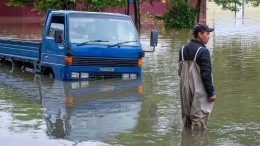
x=84 y=75
x=74 y=74
x=125 y=76
x=133 y=76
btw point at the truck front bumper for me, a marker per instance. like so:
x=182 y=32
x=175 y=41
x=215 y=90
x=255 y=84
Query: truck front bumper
x=90 y=72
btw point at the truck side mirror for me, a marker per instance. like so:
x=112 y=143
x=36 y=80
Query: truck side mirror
x=57 y=36
x=154 y=38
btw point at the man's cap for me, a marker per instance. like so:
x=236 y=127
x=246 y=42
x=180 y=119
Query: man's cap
x=201 y=27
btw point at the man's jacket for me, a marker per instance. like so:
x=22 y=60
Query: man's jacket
x=203 y=60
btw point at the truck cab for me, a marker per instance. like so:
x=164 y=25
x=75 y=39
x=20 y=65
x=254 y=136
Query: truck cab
x=89 y=45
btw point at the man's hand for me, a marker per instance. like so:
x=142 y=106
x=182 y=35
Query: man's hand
x=213 y=98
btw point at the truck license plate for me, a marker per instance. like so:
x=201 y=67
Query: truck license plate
x=107 y=69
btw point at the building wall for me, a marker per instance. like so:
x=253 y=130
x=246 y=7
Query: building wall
x=11 y=11
x=19 y=22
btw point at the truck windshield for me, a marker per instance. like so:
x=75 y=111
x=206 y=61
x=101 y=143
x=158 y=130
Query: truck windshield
x=108 y=29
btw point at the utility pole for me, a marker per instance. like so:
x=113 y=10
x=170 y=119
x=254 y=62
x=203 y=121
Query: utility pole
x=243 y=9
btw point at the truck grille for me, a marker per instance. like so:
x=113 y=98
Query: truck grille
x=106 y=62
x=104 y=76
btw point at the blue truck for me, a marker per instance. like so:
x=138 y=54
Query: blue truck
x=79 y=45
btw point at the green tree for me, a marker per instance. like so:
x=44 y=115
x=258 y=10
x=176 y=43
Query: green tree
x=182 y=15
x=179 y=15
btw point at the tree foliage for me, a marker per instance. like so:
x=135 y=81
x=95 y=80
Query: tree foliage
x=179 y=15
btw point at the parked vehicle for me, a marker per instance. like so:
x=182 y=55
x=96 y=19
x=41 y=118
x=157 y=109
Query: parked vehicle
x=80 y=45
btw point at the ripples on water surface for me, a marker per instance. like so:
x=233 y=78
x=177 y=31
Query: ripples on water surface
x=236 y=62
x=120 y=112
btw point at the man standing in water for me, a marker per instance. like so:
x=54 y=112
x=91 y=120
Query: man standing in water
x=196 y=84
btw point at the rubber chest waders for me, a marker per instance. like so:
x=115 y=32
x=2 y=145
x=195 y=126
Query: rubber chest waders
x=195 y=105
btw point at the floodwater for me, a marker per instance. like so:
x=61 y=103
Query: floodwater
x=35 y=110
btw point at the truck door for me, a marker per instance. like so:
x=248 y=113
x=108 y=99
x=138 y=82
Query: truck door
x=52 y=52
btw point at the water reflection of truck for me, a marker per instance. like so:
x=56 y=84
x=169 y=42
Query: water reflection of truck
x=80 y=110
x=81 y=45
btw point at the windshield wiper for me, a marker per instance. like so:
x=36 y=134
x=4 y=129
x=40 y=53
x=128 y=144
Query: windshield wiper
x=119 y=44
x=91 y=41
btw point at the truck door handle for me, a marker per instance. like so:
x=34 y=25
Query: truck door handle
x=46 y=57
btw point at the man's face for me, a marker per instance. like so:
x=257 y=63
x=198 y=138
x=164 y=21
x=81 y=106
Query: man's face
x=204 y=37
